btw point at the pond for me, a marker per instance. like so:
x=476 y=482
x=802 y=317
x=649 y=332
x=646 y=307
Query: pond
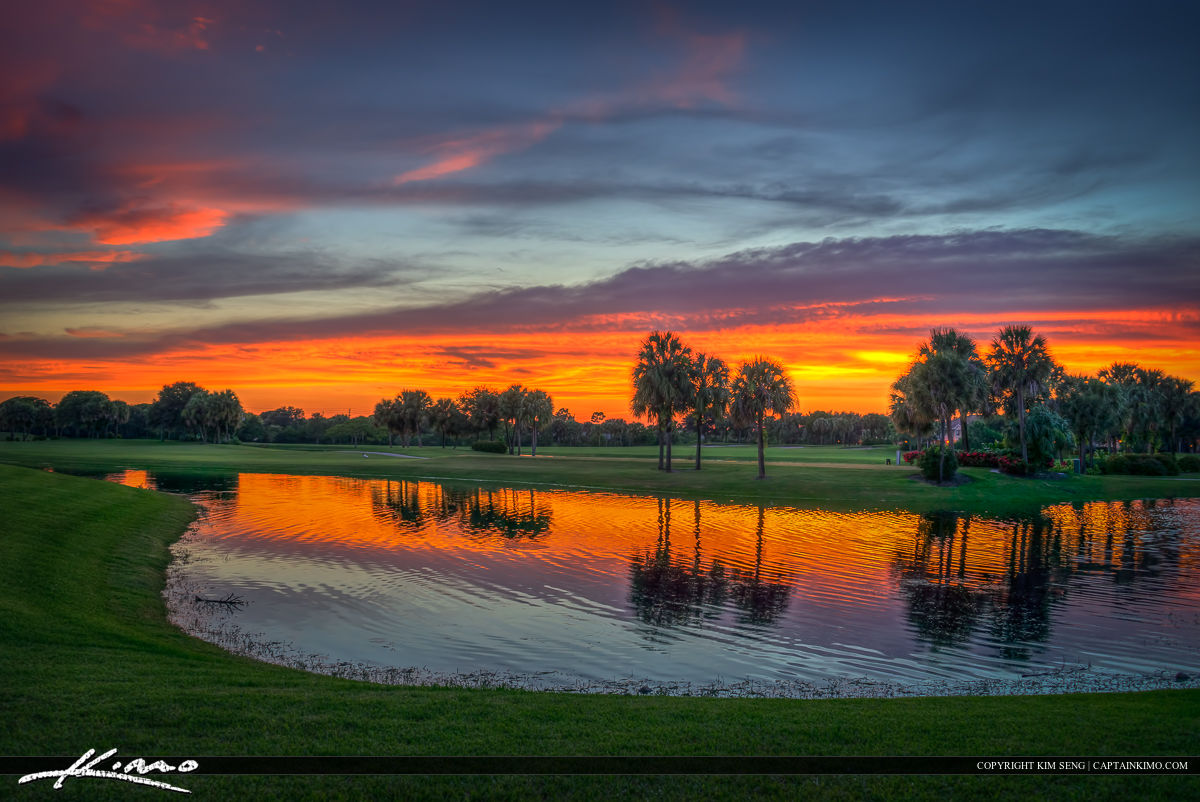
x=579 y=589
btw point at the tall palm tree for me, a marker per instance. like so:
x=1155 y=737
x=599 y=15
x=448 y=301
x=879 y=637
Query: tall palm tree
x=387 y=415
x=821 y=425
x=1177 y=400
x=662 y=385
x=540 y=408
x=1124 y=377
x=1020 y=367
x=972 y=394
x=1146 y=405
x=710 y=385
x=414 y=409
x=1093 y=408
x=761 y=386
x=512 y=410
x=442 y=416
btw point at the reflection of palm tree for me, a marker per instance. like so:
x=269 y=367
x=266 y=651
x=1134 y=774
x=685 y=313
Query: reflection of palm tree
x=941 y=608
x=399 y=501
x=668 y=594
x=510 y=518
x=761 y=601
x=1022 y=613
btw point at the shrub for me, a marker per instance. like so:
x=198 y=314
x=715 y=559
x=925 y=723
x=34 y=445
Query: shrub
x=1117 y=463
x=1169 y=463
x=1015 y=466
x=909 y=456
x=489 y=446
x=930 y=460
x=978 y=459
x=1189 y=463
x=1146 y=465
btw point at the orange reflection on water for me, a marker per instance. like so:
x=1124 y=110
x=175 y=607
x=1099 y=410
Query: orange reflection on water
x=473 y=575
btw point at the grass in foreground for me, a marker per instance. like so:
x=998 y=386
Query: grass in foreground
x=817 y=481
x=88 y=660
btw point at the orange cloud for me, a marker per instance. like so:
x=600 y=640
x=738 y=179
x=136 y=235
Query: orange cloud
x=138 y=224
x=27 y=260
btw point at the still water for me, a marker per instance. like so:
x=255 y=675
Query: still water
x=598 y=586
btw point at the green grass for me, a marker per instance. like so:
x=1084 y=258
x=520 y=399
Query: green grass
x=88 y=660
x=827 y=478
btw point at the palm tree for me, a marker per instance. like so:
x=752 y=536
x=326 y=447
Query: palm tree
x=1176 y=401
x=1020 y=368
x=1093 y=408
x=1124 y=377
x=540 y=408
x=443 y=415
x=1146 y=405
x=413 y=409
x=662 y=385
x=821 y=425
x=973 y=393
x=512 y=410
x=761 y=386
x=482 y=406
x=387 y=415
x=710 y=385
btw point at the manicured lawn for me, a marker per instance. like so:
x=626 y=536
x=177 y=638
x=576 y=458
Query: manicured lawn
x=88 y=660
x=729 y=476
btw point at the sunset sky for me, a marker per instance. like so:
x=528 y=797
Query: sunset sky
x=321 y=204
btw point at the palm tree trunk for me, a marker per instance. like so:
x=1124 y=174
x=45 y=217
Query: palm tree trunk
x=533 y=443
x=962 y=418
x=762 y=457
x=669 y=438
x=1021 y=423
x=660 y=445
x=699 y=433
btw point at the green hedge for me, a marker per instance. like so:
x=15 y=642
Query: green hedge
x=489 y=446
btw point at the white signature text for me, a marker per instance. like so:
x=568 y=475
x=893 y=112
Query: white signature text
x=131 y=771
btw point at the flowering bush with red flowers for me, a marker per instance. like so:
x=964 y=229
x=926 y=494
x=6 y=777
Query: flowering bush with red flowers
x=910 y=456
x=978 y=459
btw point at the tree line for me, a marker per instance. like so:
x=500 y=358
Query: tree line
x=1045 y=410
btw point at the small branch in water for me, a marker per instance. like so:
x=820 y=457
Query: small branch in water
x=231 y=600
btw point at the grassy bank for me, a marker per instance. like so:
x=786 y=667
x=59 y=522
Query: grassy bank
x=828 y=478
x=88 y=660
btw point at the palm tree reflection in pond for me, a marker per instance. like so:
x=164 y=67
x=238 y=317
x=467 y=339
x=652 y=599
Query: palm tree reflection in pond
x=398 y=502
x=670 y=593
x=761 y=601
x=1037 y=573
x=507 y=513
x=513 y=514
x=942 y=605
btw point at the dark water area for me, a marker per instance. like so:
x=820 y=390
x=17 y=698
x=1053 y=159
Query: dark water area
x=602 y=586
